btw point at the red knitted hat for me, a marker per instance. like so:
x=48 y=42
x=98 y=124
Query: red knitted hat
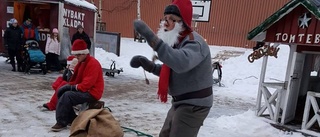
x=185 y=10
x=79 y=46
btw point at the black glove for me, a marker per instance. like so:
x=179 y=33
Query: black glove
x=146 y=64
x=144 y=30
x=65 y=88
x=65 y=75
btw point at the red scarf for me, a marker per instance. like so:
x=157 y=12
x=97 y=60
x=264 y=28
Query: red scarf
x=163 y=84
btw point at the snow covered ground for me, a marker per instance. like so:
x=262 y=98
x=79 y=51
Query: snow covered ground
x=135 y=103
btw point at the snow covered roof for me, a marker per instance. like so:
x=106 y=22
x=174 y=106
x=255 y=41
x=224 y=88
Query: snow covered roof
x=311 y=5
x=82 y=3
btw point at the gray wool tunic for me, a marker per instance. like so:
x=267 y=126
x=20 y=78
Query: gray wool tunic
x=191 y=68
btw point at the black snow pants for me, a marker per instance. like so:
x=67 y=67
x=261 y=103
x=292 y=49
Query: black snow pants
x=15 y=55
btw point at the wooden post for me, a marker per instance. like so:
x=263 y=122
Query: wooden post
x=262 y=78
x=277 y=109
x=138 y=10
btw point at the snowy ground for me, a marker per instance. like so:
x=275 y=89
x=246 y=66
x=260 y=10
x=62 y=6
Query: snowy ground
x=135 y=103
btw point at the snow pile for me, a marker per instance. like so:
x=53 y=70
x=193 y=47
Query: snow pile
x=135 y=104
x=82 y=3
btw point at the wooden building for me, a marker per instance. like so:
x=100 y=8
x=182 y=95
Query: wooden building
x=48 y=14
x=227 y=24
x=296 y=99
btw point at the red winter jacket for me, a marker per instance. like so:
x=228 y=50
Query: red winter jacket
x=88 y=77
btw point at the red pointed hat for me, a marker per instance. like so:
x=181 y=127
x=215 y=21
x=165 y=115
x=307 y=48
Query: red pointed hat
x=181 y=8
x=79 y=46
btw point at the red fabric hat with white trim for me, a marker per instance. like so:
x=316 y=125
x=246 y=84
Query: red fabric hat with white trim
x=72 y=61
x=69 y=59
x=79 y=46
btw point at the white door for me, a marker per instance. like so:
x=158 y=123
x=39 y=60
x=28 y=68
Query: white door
x=292 y=93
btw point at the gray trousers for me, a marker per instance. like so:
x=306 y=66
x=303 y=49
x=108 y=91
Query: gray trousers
x=184 y=121
x=64 y=112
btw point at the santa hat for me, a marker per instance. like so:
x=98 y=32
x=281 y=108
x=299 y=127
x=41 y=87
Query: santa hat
x=72 y=61
x=79 y=46
x=181 y=8
x=69 y=59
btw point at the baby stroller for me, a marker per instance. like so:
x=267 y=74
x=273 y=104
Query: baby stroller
x=33 y=57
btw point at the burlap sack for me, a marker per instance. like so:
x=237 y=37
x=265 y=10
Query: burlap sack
x=95 y=123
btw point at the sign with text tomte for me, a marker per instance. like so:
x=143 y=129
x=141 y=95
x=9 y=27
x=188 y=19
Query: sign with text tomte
x=299 y=26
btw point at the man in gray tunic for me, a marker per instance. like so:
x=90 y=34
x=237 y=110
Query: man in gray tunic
x=186 y=72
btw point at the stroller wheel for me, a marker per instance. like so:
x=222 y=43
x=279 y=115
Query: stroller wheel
x=44 y=71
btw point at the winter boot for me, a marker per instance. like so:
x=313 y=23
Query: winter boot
x=13 y=67
x=44 y=107
x=58 y=127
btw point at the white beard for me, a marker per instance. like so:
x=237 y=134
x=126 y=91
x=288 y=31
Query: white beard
x=170 y=37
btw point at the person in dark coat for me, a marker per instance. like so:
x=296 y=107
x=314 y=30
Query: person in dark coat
x=13 y=41
x=80 y=34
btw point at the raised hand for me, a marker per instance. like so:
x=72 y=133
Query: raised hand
x=144 y=30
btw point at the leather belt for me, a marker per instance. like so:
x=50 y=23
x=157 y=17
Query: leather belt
x=193 y=95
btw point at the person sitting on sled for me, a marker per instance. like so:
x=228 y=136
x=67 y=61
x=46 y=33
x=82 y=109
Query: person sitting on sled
x=59 y=82
x=85 y=86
